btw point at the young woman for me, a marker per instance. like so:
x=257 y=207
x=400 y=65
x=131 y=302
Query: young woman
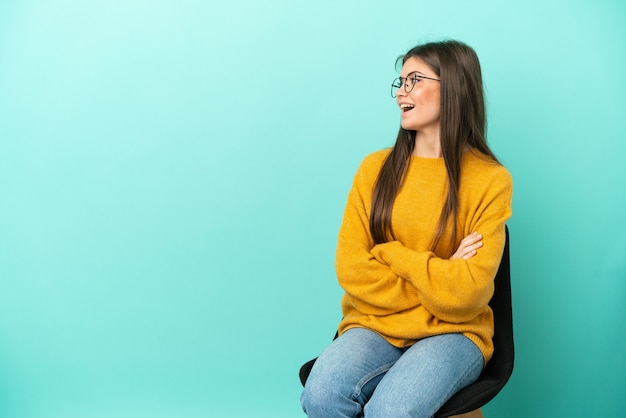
x=419 y=246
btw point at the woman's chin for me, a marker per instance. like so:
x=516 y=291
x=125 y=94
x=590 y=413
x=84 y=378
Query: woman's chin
x=408 y=126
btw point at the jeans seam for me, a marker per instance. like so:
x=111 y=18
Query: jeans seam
x=368 y=377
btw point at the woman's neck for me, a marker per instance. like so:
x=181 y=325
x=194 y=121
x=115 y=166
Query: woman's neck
x=427 y=146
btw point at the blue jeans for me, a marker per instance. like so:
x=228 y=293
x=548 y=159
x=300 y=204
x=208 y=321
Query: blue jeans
x=361 y=375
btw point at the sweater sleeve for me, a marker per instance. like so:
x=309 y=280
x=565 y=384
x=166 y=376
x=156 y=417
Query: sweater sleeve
x=455 y=291
x=371 y=286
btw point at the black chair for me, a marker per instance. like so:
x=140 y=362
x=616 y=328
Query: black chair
x=499 y=369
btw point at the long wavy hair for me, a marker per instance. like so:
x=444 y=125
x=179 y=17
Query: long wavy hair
x=462 y=126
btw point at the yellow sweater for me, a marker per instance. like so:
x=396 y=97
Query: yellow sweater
x=403 y=290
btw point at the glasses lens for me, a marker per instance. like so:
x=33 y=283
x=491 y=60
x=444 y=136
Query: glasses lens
x=397 y=83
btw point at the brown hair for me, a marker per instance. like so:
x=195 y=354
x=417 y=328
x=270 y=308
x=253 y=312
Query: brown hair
x=462 y=126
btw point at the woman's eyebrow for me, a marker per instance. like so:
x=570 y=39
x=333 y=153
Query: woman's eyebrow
x=415 y=72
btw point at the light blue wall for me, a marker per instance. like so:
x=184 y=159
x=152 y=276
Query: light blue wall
x=173 y=175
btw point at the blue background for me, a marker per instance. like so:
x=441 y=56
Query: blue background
x=173 y=175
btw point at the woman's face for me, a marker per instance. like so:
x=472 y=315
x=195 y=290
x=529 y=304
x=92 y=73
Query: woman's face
x=420 y=107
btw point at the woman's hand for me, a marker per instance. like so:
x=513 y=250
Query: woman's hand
x=468 y=246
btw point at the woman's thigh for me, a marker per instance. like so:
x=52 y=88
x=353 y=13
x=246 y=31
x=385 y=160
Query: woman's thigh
x=345 y=375
x=425 y=377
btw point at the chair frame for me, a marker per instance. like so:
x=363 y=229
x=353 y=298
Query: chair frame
x=499 y=369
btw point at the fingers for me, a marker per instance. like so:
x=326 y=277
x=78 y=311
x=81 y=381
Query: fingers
x=471 y=251
x=468 y=247
x=472 y=238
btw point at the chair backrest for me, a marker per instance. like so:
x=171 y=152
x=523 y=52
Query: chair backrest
x=500 y=367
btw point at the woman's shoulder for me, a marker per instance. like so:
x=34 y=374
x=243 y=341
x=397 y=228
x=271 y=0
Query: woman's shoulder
x=482 y=176
x=374 y=161
x=481 y=165
x=377 y=157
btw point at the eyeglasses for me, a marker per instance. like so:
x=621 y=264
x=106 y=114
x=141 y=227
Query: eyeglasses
x=408 y=82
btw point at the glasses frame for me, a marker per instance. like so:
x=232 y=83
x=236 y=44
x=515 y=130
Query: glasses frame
x=403 y=82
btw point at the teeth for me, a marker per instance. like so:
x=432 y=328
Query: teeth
x=406 y=106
